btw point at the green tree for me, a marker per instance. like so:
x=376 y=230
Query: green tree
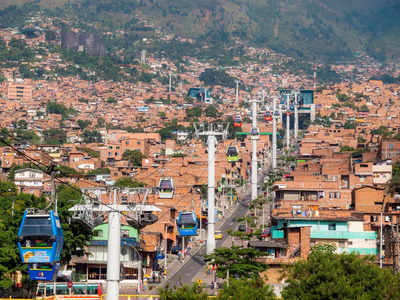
x=350 y=125
x=91 y=136
x=53 y=107
x=54 y=136
x=76 y=234
x=83 y=123
x=194 y=292
x=99 y=171
x=128 y=182
x=211 y=111
x=134 y=156
x=50 y=36
x=246 y=289
x=100 y=122
x=364 y=108
x=241 y=262
x=12 y=207
x=111 y=100
x=327 y=275
x=194 y=112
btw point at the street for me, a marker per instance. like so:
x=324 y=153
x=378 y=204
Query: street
x=196 y=262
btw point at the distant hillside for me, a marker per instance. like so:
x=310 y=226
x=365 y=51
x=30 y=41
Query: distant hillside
x=327 y=30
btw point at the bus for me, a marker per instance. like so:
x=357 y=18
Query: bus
x=71 y=290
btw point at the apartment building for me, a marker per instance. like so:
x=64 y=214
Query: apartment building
x=20 y=89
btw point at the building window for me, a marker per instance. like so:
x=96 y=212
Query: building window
x=342 y=244
x=332 y=226
x=331 y=195
x=98 y=233
x=391 y=146
x=337 y=195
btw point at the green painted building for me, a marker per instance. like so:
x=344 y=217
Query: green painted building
x=347 y=235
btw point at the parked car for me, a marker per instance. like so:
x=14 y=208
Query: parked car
x=218 y=235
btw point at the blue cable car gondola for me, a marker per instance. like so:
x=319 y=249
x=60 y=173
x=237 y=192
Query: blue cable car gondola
x=187 y=223
x=40 y=238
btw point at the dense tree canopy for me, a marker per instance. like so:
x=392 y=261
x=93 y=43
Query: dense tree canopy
x=241 y=262
x=217 y=77
x=128 y=182
x=12 y=207
x=327 y=275
x=134 y=156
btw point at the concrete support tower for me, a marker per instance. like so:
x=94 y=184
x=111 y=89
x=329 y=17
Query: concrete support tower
x=237 y=91
x=113 y=250
x=170 y=84
x=254 y=138
x=274 y=142
x=288 y=130
x=296 y=117
x=211 y=190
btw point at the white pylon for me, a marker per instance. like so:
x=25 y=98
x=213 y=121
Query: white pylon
x=237 y=91
x=274 y=142
x=296 y=116
x=211 y=133
x=254 y=137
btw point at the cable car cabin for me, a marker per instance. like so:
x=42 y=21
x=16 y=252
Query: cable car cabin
x=47 y=272
x=232 y=154
x=166 y=188
x=78 y=290
x=187 y=223
x=267 y=116
x=237 y=122
x=40 y=238
x=291 y=107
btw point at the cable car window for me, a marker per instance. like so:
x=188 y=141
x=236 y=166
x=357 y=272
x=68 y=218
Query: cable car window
x=92 y=289
x=49 y=290
x=165 y=184
x=37 y=226
x=62 y=290
x=187 y=219
x=78 y=290
x=232 y=151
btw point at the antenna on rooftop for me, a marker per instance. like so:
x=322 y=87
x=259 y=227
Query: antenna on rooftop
x=315 y=77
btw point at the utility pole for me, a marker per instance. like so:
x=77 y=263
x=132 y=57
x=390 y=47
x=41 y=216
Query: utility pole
x=296 y=116
x=237 y=91
x=380 y=242
x=211 y=133
x=274 y=134
x=315 y=77
x=170 y=83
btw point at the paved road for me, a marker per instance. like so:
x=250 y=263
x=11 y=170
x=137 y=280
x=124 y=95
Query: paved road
x=191 y=268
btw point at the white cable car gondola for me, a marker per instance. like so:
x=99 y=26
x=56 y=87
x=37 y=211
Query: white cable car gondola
x=166 y=188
